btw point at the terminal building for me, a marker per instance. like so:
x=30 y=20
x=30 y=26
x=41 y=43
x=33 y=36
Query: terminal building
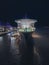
x=26 y=25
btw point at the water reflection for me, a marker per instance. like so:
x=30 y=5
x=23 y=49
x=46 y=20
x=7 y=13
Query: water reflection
x=20 y=50
x=1 y=44
x=23 y=51
x=1 y=38
x=14 y=46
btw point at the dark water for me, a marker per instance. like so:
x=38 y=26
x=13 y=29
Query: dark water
x=33 y=52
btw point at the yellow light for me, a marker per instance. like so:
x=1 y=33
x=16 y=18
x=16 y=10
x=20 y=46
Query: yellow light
x=34 y=35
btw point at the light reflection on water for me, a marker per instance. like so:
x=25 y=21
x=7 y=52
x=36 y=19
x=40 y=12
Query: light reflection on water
x=1 y=42
x=13 y=40
x=1 y=38
x=14 y=46
x=15 y=49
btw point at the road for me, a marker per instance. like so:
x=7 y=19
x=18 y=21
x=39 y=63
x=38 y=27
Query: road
x=11 y=52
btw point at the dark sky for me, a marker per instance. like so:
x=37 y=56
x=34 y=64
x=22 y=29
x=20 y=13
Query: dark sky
x=37 y=9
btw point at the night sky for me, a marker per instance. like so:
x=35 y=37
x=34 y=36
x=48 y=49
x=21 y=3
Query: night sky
x=15 y=9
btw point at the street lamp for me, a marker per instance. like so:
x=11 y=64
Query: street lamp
x=26 y=27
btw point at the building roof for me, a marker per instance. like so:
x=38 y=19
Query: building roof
x=26 y=21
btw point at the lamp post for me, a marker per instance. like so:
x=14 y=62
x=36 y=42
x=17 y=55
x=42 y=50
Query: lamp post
x=26 y=27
